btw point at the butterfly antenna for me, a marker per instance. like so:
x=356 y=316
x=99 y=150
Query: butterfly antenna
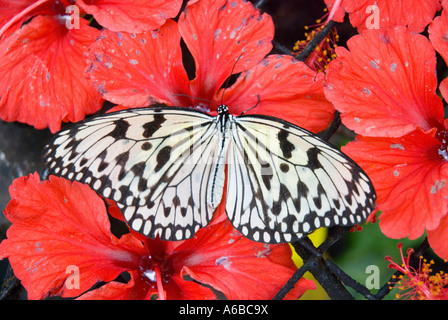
x=228 y=79
x=258 y=101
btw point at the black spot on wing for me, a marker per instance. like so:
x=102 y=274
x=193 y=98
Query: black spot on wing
x=318 y=200
x=176 y=201
x=191 y=202
x=267 y=181
x=266 y=174
x=337 y=203
x=284 y=167
x=122 y=174
x=120 y=130
x=72 y=142
x=83 y=162
x=142 y=184
x=73 y=155
x=277 y=207
x=102 y=166
x=162 y=157
x=286 y=146
x=122 y=158
x=283 y=195
x=146 y=146
x=302 y=189
x=138 y=168
x=313 y=161
x=154 y=125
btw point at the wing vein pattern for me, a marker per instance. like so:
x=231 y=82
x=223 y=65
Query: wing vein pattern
x=165 y=168
x=298 y=182
x=155 y=163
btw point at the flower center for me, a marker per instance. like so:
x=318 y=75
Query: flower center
x=442 y=136
x=157 y=271
x=324 y=52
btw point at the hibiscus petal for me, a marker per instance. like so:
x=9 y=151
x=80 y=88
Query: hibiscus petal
x=131 y=16
x=136 y=69
x=58 y=228
x=409 y=178
x=288 y=89
x=381 y=87
x=14 y=13
x=220 y=33
x=180 y=289
x=223 y=258
x=115 y=291
x=138 y=289
x=135 y=289
x=414 y=14
x=10 y=8
x=443 y=87
x=438 y=34
x=335 y=13
x=42 y=67
x=438 y=240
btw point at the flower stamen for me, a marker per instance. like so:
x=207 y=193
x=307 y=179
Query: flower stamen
x=160 y=290
x=419 y=284
x=324 y=52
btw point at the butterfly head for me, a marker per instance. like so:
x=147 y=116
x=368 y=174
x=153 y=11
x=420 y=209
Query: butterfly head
x=223 y=109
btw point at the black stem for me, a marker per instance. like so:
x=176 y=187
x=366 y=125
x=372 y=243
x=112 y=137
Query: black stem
x=10 y=284
x=334 y=126
x=349 y=281
x=298 y=274
x=327 y=279
x=316 y=41
x=314 y=262
x=282 y=49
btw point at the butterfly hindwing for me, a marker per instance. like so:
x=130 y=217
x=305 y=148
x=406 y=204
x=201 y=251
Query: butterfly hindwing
x=285 y=182
x=156 y=164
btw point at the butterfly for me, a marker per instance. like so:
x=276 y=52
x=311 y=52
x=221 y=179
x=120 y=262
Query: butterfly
x=167 y=167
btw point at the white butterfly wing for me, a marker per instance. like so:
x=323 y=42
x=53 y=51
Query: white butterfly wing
x=165 y=168
x=284 y=182
x=156 y=163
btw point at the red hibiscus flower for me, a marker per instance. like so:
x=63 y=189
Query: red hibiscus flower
x=223 y=37
x=381 y=87
x=384 y=14
x=419 y=283
x=409 y=177
x=387 y=94
x=42 y=66
x=43 y=63
x=60 y=243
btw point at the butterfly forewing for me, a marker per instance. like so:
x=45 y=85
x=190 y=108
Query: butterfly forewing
x=156 y=164
x=285 y=182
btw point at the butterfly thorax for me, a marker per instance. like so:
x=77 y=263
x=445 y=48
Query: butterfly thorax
x=224 y=118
